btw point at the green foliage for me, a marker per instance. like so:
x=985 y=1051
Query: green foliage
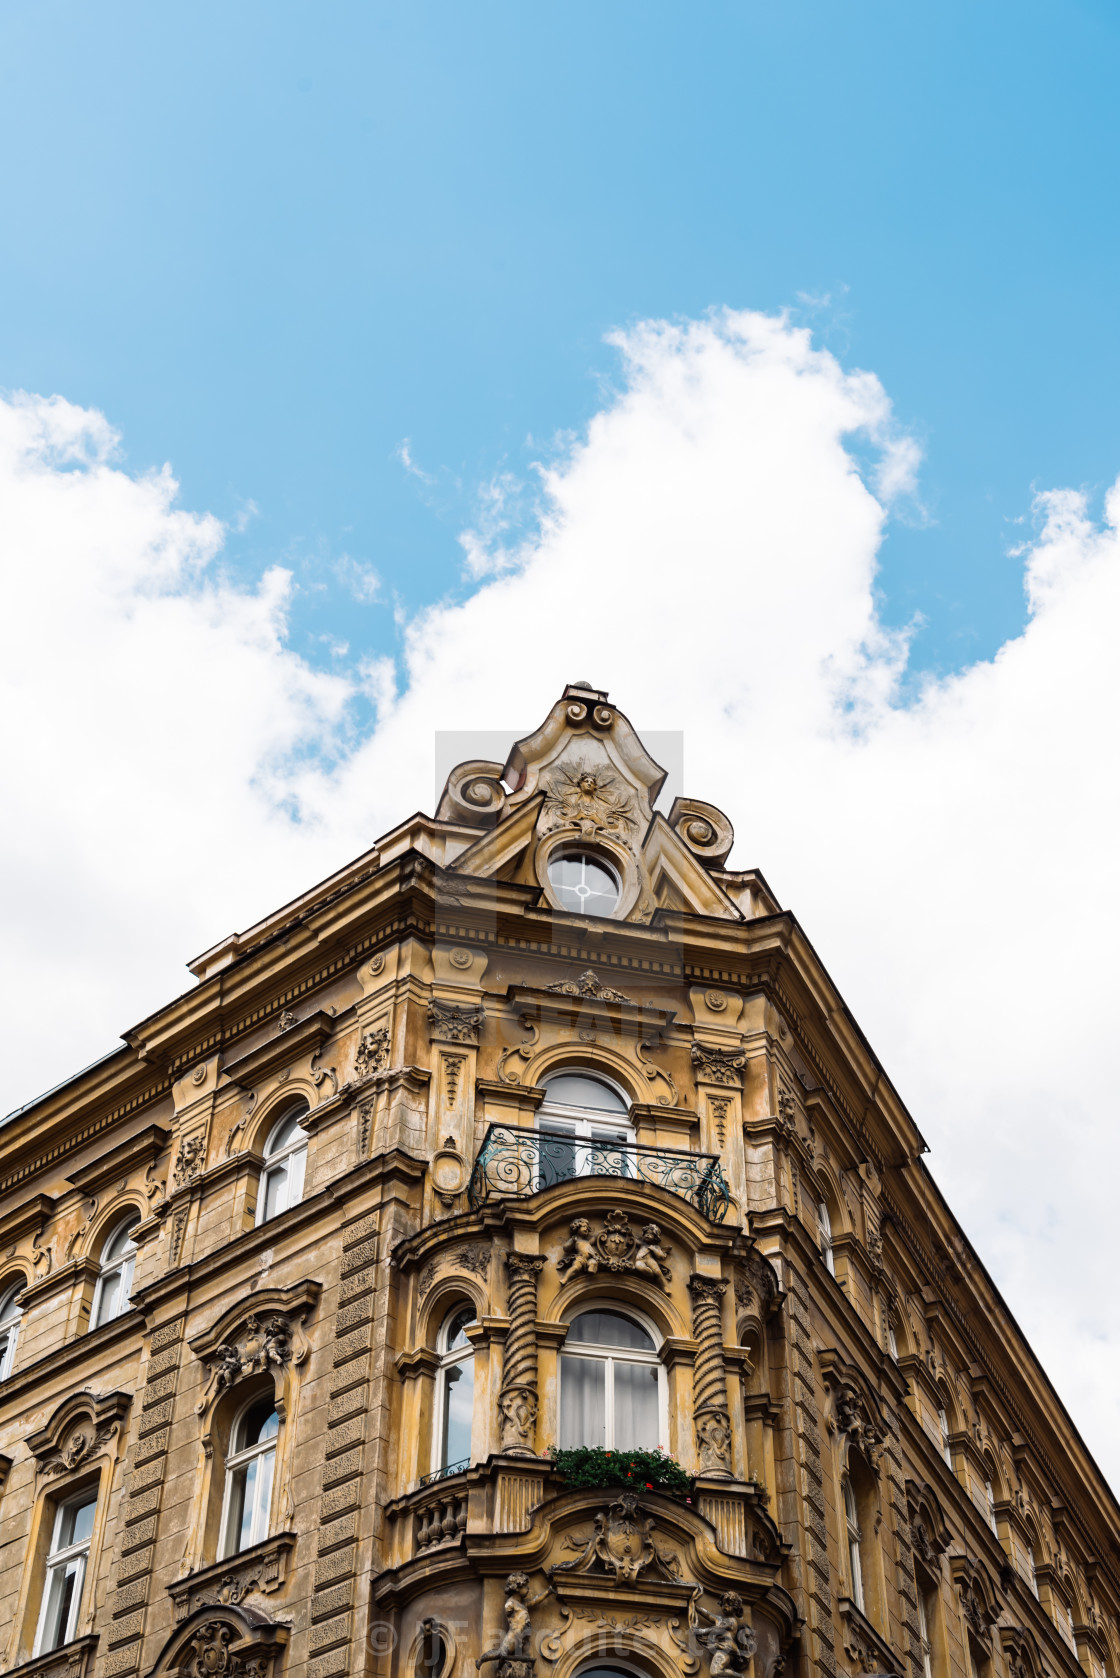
x=591 y=1465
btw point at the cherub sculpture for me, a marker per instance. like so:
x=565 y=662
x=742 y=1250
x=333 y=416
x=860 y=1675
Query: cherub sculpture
x=514 y=1651
x=651 y=1258
x=579 y=1252
x=729 y=1642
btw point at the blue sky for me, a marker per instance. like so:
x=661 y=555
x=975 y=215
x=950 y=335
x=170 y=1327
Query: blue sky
x=273 y=241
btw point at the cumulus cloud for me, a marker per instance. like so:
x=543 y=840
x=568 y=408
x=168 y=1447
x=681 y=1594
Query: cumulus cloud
x=708 y=552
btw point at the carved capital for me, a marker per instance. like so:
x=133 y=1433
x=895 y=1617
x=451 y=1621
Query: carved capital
x=452 y=1024
x=718 y=1066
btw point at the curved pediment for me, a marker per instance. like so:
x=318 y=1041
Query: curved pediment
x=80 y=1428
x=222 y=1641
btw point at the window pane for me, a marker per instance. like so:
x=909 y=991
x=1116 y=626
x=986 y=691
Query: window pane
x=578 y=1089
x=557 y=1155
x=107 y=1299
x=286 y=1131
x=275 y=1191
x=262 y=1503
x=251 y=1474
x=64 y=1588
x=76 y=1523
x=635 y=1407
x=297 y=1164
x=458 y=1411
x=259 y=1422
x=583 y=1409
x=457 y=1331
x=236 y=1512
x=609 y=1328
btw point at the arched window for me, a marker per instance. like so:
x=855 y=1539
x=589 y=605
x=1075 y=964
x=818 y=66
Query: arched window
x=114 y=1285
x=990 y=1504
x=65 y=1572
x=583 y=1120
x=584 y=883
x=9 y=1328
x=612 y=1385
x=1033 y=1568
x=824 y=1235
x=924 y=1628
x=455 y=1394
x=250 y=1464
x=855 y=1563
x=943 y=1434
x=285 y=1157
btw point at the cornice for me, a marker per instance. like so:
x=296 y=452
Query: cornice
x=290 y=1044
x=81 y=1349
x=145 y=1146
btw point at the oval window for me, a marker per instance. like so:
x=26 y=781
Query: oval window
x=584 y=883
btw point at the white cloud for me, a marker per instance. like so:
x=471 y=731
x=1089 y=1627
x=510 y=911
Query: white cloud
x=708 y=552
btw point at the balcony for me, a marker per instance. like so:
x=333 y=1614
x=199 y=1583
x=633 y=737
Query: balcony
x=515 y=1161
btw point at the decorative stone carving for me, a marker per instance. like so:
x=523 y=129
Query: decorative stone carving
x=188 y=1161
x=979 y=1601
x=706 y=831
x=710 y=1408
x=474 y=1259
x=373 y=1052
x=929 y=1534
x=452 y=1067
x=262 y=1569
x=267 y=1338
x=474 y=795
x=514 y=1650
x=1021 y=1650
x=590 y=985
x=425 y=1279
x=719 y=1066
x=856 y=1412
x=78 y=1430
x=589 y=798
x=615 y=1248
x=730 y=1642
x=454 y=1024
x=622 y=1543
x=84 y=1227
x=517 y=1401
x=287 y=1021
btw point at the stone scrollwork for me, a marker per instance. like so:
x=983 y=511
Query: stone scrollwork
x=474 y=795
x=622 y=1543
x=453 y=1024
x=718 y=1066
x=588 y=985
x=217 y=1649
x=79 y=1429
x=616 y=1248
x=266 y=1338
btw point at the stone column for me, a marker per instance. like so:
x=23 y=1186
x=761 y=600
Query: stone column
x=710 y=1411
x=517 y=1401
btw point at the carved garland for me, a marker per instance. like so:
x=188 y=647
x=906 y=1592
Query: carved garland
x=78 y=1431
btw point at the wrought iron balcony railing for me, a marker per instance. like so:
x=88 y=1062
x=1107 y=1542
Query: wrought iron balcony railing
x=516 y=1161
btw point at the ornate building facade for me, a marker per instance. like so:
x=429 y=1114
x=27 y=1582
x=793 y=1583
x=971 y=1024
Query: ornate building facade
x=537 y=1129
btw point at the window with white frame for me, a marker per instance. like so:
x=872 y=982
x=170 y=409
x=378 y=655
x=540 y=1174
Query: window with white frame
x=585 y=1124
x=943 y=1432
x=892 y=1337
x=285 y=1159
x=584 y=883
x=824 y=1234
x=1033 y=1569
x=250 y=1469
x=924 y=1630
x=454 y=1393
x=9 y=1328
x=990 y=1505
x=114 y=1284
x=855 y=1563
x=65 y=1572
x=612 y=1385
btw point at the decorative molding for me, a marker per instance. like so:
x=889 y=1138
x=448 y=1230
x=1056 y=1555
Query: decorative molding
x=474 y=1259
x=72 y=1660
x=373 y=1052
x=114 y=1163
x=622 y=1543
x=517 y=1400
x=710 y=1408
x=867 y=1651
x=284 y=1049
x=1022 y=1653
x=857 y=1414
x=616 y=1248
x=264 y=1568
x=255 y=1336
x=718 y=1066
x=222 y=1641
x=979 y=1600
x=590 y=985
x=929 y=1532
x=588 y=799
x=449 y=1023
x=188 y=1161
x=79 y=1429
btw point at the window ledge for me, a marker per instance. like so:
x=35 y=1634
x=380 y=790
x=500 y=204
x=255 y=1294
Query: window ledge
x=72 y=1660
x=865 y=1647
x=264 y=1568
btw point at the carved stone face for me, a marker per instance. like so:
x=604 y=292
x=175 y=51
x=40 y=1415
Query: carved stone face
x=581 y=1228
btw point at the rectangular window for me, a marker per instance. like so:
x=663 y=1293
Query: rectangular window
x=923 y=1628
x=943 y=1427
x=65 y=1573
